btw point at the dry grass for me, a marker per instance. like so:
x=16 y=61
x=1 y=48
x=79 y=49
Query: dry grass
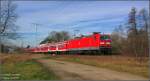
x=118 y=63
x=13 y=58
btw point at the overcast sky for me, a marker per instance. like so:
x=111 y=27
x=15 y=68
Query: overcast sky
x=85 y=16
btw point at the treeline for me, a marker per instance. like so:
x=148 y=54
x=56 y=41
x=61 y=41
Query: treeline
x=56 y=36
x=132 y=38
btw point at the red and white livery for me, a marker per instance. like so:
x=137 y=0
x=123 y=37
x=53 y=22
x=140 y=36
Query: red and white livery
x=94 y=42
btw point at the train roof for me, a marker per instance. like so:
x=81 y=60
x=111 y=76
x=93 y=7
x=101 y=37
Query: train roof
x=62 y=42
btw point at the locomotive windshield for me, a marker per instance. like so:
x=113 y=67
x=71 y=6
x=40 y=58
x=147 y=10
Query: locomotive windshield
x=104 y=37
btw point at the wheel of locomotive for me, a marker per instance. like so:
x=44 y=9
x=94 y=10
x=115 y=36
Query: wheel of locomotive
x=102 y=51
x=80 y=52
x=98 y=52
x=107 y=51
x=83 y=52
x=94 y=52
x=89 y=52
x=110 y=51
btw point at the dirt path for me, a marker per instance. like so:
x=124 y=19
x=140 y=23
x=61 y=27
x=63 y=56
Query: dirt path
x=74 y=71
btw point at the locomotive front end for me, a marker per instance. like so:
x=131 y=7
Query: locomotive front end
x=105 y=43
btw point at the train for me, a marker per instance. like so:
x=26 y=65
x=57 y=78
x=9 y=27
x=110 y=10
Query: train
x=95 y=43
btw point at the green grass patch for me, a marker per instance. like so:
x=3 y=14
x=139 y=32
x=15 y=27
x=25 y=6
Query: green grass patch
x=26 y=70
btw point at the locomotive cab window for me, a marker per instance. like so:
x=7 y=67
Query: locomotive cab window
x=104 y=37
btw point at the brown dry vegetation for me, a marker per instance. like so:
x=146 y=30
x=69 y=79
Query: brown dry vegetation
x=118 y=63
x=13 y=58
x=5 y=58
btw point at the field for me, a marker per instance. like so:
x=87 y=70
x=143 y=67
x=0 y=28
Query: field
x=24 y=67
x=114 y=62
x=36 y=66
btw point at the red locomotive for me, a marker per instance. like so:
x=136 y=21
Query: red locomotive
x=94 y=43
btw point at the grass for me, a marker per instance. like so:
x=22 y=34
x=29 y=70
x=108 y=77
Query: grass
x=118 y=63
x=13 y=68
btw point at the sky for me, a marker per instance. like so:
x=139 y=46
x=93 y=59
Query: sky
x=85 y=16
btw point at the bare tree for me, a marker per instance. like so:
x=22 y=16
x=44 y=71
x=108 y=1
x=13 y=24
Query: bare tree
x=132 y=21
x=144 y=31
x=144 y=14
x=117 y=39
x=8 y=17
x=135 y=42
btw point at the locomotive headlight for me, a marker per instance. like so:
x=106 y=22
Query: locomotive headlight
x=101 y=42
x=107 y=42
